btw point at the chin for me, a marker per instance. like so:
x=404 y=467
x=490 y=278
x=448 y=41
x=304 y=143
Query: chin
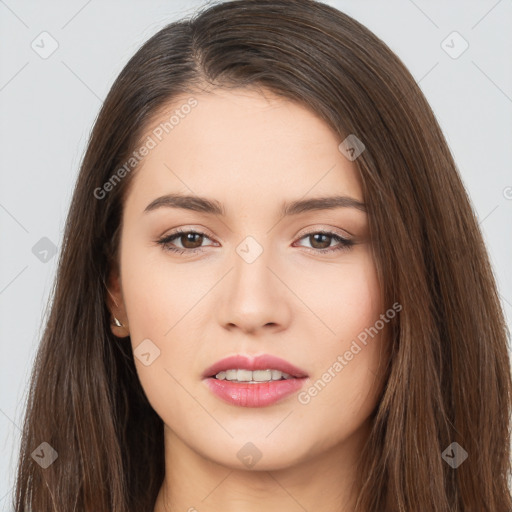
x=257 y=453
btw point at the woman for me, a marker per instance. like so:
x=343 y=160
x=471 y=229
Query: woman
x=273 y=293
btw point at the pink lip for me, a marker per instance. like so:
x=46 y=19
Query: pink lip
x=254 y=395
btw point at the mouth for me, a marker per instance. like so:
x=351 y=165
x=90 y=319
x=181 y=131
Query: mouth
x=252 y=377
x=253 y=382
x=263 y=368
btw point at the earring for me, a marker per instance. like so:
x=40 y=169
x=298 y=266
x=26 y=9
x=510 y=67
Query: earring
x=117 y=322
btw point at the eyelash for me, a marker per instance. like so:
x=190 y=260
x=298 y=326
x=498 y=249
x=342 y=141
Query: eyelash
x=345 y=243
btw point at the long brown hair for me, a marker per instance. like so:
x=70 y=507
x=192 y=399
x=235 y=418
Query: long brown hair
x=448 y=378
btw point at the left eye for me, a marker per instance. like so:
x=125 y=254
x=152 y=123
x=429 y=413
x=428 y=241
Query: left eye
x=319 y=237
x=191 y=241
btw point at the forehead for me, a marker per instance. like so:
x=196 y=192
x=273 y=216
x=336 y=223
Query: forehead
x=241 y=144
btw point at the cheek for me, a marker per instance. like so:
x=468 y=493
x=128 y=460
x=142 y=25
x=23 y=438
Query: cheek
x=164 y=325
x=159 y=301
x=345 y=297
x=347 y=361
x=157 y=293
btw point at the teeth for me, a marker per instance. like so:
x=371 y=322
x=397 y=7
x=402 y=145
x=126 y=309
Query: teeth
x=244 y=376
x=276 y=375
x=231 y=374
x=263 y=375
x=252 y=377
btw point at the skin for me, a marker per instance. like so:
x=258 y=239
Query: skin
x=251 y=150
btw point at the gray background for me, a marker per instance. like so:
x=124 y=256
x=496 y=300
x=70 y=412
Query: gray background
x=48 y=106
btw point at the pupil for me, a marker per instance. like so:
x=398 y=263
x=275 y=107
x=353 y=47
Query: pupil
x=321 y=235
x=189 y=238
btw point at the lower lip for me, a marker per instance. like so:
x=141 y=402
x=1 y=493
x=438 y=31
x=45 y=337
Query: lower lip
x=253 y=395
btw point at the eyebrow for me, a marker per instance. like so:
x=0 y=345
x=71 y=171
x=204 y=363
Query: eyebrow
x=214 y=207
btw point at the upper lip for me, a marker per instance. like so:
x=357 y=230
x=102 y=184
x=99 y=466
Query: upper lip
x=261 y=362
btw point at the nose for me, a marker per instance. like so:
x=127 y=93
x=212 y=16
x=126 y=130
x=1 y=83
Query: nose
x=254 y=297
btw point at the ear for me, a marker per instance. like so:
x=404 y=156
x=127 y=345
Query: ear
x=115 y=304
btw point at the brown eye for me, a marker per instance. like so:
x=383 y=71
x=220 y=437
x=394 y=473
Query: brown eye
x=191 y=240
x=184 y=242
x=321 y=240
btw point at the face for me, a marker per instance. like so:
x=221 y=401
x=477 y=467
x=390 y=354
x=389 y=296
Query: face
x=199 y=282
